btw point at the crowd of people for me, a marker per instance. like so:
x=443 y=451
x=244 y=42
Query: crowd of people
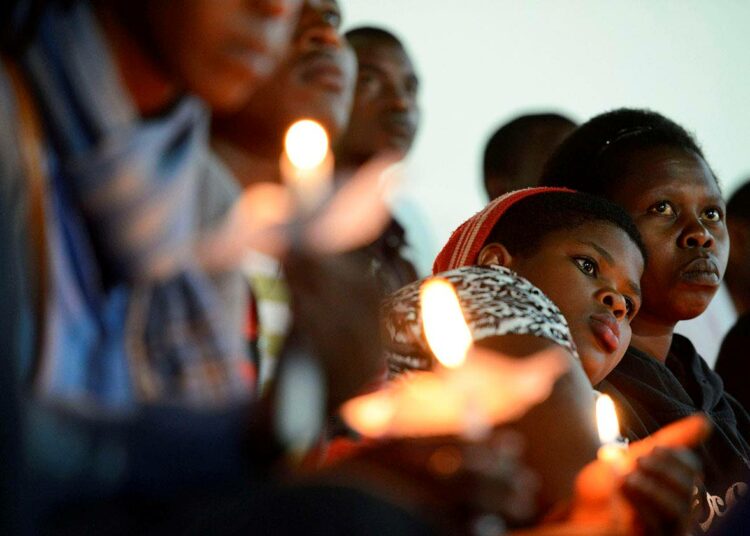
x=180 y=331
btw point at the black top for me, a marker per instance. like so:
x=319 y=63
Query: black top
x=733 y=364
x=650 y=394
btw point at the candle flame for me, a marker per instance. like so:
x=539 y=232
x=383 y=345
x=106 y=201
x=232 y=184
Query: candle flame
x=606 y=419
x=306 y=144
x=443 y=323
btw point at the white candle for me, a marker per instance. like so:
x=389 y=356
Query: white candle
x=470 y=392
x=306 y=164
x=614 y=447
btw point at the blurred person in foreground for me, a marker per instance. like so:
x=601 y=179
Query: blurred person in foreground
x=515 y=154
x=733 y=362
x=315 y=81
x=384 y=119
x=129 y=356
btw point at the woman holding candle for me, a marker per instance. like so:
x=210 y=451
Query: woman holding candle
x=656 y=171
x=586 y=255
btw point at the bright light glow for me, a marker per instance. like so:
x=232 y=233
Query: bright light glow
x=606 y=420
x=306 y=144
x=443 y=323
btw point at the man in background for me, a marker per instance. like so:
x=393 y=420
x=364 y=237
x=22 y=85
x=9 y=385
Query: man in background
x=516 y=153
x=315 y=81
x=384 y=120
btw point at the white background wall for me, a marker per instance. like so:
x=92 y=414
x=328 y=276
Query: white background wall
x=482 y=62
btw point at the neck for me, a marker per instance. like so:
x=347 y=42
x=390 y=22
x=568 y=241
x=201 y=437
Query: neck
x=148 y=85
x=652 y=336
x=248 y=168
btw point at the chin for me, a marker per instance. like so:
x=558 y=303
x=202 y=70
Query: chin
x=687 y=307
x=592 y=366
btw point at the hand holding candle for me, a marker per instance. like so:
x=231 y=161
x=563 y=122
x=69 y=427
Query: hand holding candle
x=307 y=164
x=474 y=389
x=614 y=447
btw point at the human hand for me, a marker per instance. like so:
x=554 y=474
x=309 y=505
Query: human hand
x=335 y=306
x=660 y=486
x=649 y=490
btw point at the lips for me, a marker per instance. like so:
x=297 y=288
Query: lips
x=701 y=271
x=606 y=331
x=322 y=69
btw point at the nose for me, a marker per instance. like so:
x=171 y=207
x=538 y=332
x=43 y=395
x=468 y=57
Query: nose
x=695 y=235
x=277 y=8
x=614 y=302
x=321 y=33
x=399 y=98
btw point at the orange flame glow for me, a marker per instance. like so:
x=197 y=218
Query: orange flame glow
x=443 y=323
x=606 y=419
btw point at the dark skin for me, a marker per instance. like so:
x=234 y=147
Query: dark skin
x=674 y=200
x=591 y=271
x=315 y=81
x=542 y=141
x=218 y=50
x=385 y=114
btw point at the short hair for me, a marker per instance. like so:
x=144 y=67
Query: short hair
x=738 y=205
x=358 y=36
x=526 y=224
x=511 y=140
x=589 y=160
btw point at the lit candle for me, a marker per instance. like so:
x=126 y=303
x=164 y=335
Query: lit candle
x=306 y=164
x=614 y=447
x=443 y=322
x=472 y=390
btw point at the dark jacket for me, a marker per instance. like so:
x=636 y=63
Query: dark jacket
x=650 y=394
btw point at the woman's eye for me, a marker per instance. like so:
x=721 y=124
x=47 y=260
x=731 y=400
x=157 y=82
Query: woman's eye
x=587 y=266
x=663 y=208
x=712 y=214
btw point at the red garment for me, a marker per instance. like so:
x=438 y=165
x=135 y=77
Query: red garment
x=464 y=245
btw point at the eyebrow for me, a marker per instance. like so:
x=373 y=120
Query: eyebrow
x=634 y=287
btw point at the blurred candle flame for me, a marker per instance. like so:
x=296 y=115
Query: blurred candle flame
x=443 y=323
x=306 y=144
x=606 y=420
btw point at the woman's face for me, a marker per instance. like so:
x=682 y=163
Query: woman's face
x=675 y=202
x=592 y=273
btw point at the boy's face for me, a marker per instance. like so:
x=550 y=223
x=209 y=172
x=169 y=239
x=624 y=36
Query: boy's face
x=592 y=273
x=676 y=204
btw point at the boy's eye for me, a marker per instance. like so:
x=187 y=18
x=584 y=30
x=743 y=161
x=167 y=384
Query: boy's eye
x=711 y=214
x=367 y=82
x=630 y=306
x=663 y=208
x=586 y=265
x=332 y=18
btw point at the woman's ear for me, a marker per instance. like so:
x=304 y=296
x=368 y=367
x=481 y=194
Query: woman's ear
x=495 y=253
